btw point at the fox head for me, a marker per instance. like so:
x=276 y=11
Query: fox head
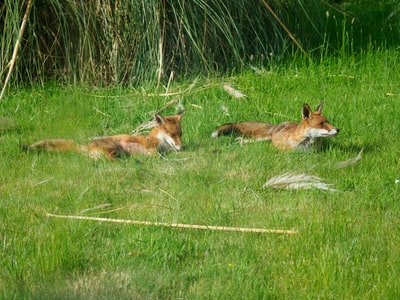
x=316 y=124
x=168 y=131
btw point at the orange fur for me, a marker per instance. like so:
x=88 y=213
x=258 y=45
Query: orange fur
x=287 y=135
x=164 y=137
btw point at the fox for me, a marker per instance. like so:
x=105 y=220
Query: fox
x=287 y=135
x=164 y=137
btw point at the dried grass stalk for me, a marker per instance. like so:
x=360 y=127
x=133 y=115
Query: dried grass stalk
x=176 y=225
x=144 y=127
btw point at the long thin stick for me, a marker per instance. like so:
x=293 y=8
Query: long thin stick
x=176 y=225
x=11 y=64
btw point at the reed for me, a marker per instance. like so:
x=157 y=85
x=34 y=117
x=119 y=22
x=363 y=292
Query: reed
x=114 y=42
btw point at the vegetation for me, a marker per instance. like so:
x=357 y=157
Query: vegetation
x=132 y=42
x=347 y=241
x=94 y=68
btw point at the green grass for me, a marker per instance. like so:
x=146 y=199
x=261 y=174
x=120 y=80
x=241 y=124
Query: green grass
x=347 y=246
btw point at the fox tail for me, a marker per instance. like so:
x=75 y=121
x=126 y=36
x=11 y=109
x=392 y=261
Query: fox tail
x=224 y=129
x=55 y=145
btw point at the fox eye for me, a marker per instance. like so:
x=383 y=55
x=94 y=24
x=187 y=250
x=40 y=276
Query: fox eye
x=322 y=123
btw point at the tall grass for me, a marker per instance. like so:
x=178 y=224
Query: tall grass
x=129 y=42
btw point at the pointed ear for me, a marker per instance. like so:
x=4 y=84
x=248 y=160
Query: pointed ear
x=307 y=112
x=179 y=114
x=159 y=119
x=320 y=107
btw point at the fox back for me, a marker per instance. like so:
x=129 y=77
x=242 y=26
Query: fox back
x=253 y=129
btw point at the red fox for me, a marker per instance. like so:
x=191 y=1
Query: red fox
x=287 y=135
x=164 y=137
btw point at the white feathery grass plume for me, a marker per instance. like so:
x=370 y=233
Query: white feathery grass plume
x=297 y=182
x=231 y=91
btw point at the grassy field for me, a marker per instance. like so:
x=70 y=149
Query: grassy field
x=347 y=245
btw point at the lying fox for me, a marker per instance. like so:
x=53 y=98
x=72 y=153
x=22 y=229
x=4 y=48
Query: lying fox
x=287 y=135
x=164 y=137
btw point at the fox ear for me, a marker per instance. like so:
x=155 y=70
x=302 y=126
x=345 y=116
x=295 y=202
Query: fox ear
x=320 y=107
x=159 y=119
x=306 y=111
x=179 y=114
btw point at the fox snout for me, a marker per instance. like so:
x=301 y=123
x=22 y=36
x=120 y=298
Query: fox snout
x=334 y=131
x=169 y=143
x=322 y=132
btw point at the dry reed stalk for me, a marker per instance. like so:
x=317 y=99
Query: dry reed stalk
x=175 y=225
x=186 y=91
x=144 y=127
x=95 y=208
x=171 y=77
x=11 y=64
x=100 y=112
x=160 y=70
x=284 y=27
x=150 y=124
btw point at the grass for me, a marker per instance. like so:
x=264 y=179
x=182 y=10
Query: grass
x=347 y=241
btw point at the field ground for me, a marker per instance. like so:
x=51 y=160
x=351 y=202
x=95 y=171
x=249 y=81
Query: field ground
x=347 y=245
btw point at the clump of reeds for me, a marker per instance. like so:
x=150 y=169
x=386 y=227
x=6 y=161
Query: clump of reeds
x=113 y=42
